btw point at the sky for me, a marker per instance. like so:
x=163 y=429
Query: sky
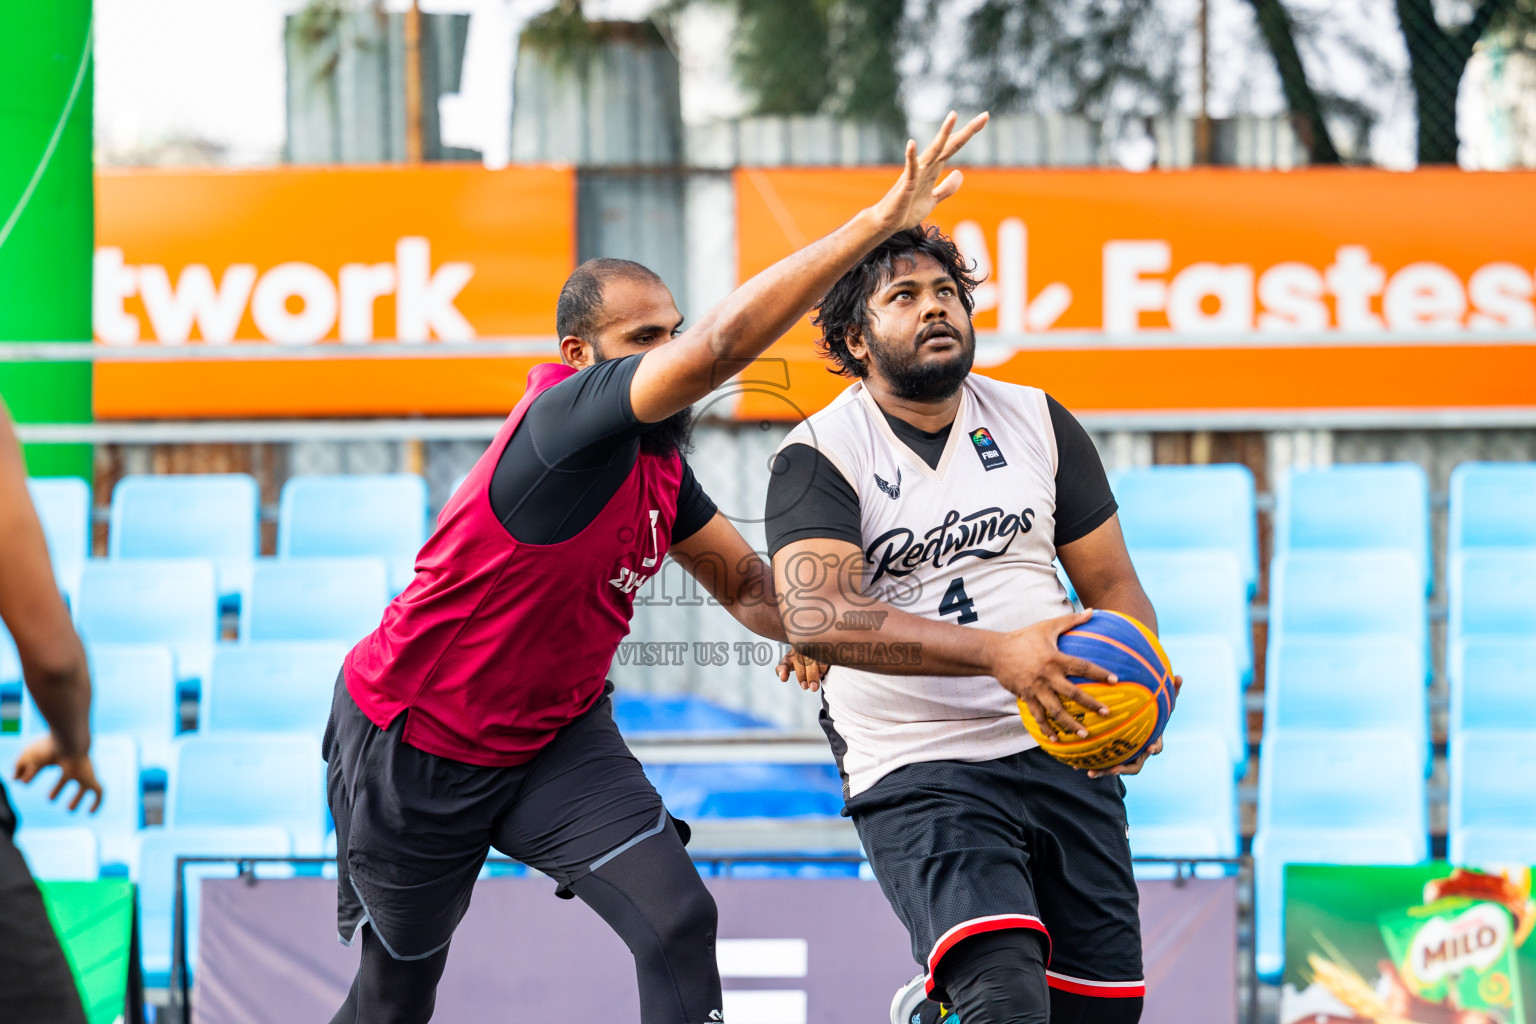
x=211 y=72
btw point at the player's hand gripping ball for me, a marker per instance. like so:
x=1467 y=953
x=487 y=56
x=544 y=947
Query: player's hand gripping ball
x=1139 y=704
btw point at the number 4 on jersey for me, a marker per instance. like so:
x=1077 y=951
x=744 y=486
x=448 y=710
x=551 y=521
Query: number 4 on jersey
x=955 y=600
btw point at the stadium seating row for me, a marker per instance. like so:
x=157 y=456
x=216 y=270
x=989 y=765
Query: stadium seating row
x=216 y=517
x=172 y=602
x=257 y=687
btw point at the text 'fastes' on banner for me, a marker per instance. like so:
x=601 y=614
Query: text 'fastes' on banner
x=1206 y=270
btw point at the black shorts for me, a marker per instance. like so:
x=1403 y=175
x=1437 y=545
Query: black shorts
x=961 y=848
x=36 y=984
x=413 y=828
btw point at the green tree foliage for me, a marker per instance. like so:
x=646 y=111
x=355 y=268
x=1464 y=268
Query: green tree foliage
x=1437 y=59
x=836 y=57
x=1103 y=59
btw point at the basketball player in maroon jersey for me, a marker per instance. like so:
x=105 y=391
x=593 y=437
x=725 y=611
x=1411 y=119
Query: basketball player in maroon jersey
x=476 y=715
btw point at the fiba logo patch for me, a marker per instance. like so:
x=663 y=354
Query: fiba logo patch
x=987 y=451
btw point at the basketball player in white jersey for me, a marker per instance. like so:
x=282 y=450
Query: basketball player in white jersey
x=913 y=525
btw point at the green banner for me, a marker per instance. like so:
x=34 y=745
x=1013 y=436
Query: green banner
x=1392 y=945
x=46 y=215
x=95 y=923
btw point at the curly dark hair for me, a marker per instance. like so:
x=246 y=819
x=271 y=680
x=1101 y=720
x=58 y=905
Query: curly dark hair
x=843 y=312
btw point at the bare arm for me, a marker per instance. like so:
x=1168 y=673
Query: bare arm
x=818 y=582
x=721 y=560
x=52 y=659
x=1100 y=569
x=726 y=566
x=754 y=316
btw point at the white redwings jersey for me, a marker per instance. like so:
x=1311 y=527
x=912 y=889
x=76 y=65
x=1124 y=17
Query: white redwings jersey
x=971 y=542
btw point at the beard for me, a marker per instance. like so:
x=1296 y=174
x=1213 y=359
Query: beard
x=673 y=435
x=912 y=381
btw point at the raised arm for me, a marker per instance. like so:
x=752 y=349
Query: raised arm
x=754 y=316
x=53 y=662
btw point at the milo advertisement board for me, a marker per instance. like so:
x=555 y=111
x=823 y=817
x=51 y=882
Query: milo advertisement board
x=1428 y=944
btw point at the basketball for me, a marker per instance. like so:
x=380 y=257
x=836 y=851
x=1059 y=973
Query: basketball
x=1139 y=704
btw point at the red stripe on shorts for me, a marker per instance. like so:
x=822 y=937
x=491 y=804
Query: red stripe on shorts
x=1102 y=989
x=979 y=926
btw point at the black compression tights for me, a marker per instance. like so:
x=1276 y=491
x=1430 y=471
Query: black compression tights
x=653 y=897
x=390 y=991
x=650 y=894
x=999 y=978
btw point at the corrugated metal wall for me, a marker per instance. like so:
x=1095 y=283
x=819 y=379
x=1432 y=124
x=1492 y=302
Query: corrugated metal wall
x=346 y=86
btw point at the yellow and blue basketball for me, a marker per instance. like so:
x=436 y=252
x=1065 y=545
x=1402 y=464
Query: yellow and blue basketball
x=1139 y=704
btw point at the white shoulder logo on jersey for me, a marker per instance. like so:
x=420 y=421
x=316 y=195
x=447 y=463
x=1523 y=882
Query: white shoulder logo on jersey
x=986 y=533
x=893 y=491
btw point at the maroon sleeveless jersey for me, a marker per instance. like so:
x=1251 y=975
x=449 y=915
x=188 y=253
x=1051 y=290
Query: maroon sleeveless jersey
x=496 y=644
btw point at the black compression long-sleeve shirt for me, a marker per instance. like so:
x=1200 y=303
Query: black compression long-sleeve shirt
x=568 y=457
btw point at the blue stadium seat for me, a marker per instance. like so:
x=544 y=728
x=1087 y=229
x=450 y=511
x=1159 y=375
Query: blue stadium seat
x=60 y=854
x=1491 y=681
x=1308 y=778
x=10 y=661
x=152 y=601
x=1320 y=800
x=751 y=790
x=1191 y=507
x=337 y=599
x=1356 y=508
x=1199 y=592
x=1492 y=594
x=1348 y=594
x=133 y=693
x=1491 y=505
x=116 y=761
x=1493 y=796
x=1184 y=801
x=156 y=877
x=250 y=779
x=382 y=515
x=213 y=516
x=649 y=712
x=1211 y=700
x=64 y=506
x=1345 y=684
x=271 y=687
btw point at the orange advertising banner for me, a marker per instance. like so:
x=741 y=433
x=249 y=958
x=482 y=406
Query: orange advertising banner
x=310 y=258
x=1211 y=290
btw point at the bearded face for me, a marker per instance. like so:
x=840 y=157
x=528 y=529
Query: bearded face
x=927 y=365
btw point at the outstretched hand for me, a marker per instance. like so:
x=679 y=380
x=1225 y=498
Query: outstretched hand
x=44 y=752
x=923 y=183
